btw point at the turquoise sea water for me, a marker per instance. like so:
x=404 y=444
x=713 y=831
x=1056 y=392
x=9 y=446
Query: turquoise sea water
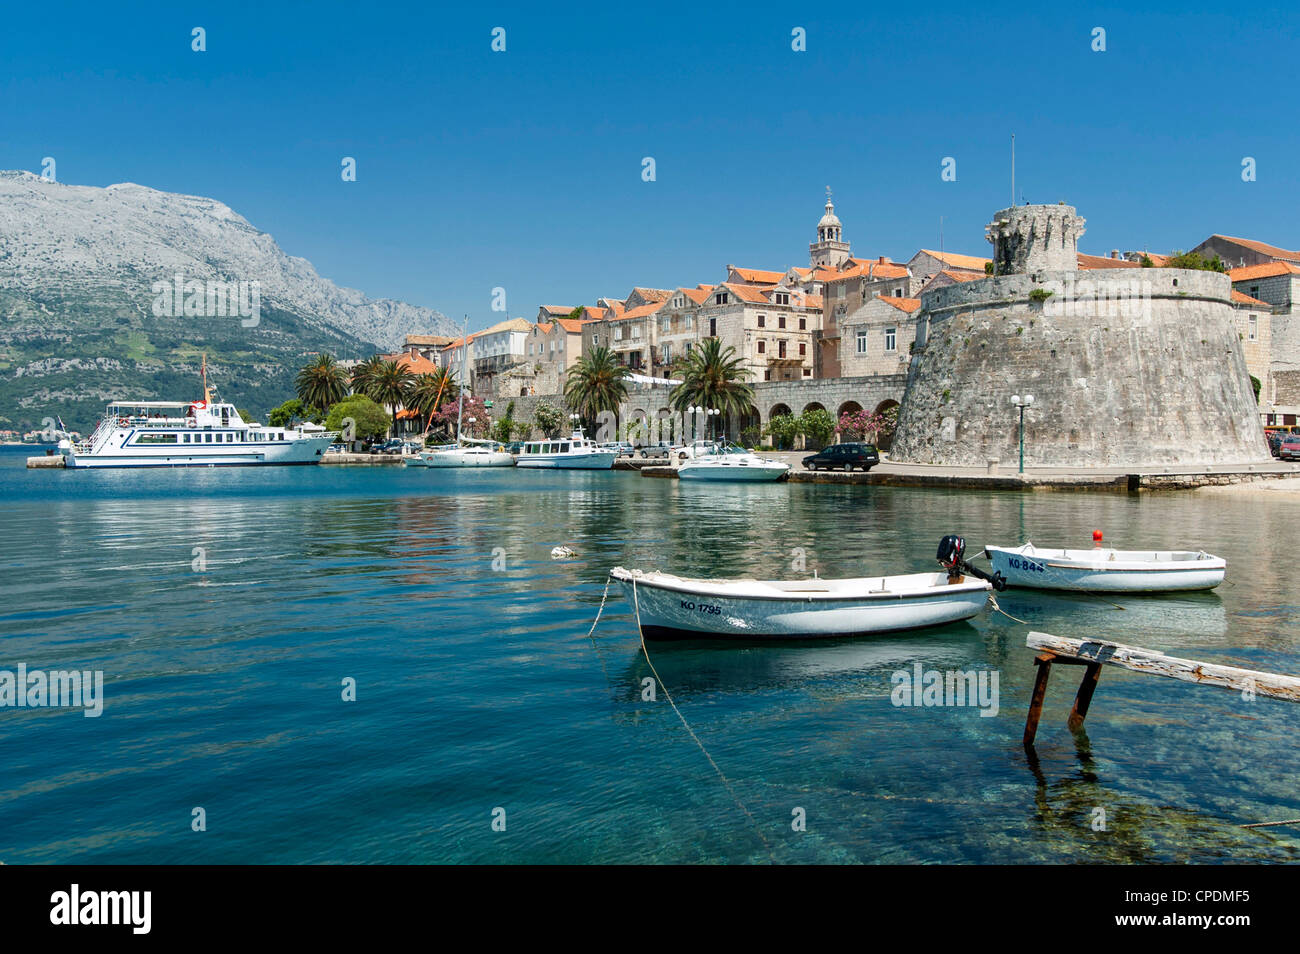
x=478 y=687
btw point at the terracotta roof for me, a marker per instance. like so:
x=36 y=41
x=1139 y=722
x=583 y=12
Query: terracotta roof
x=1102 y=261
x=697 y=294
x=873 y=268
x=559 y=311
x=908 y=305
x=510 y=324
x=591 y=313
x=970 y=262
x=812 y=301
x=748 y=293
x=545 y=326
x=570 y=325
x=961 y=276
x=435 y=340
x=1266 y=270
x=758 y=276
x=1272 y=251
x=1241 y=298
x=460 y=342
x=640 y=311
x=416 y=365
x=651 y=294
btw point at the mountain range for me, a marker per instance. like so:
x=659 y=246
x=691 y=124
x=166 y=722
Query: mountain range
x=90 y=310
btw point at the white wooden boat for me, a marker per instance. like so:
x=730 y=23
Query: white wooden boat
x=731 y=462
x=572 y=453
x=674 y=607
x=1102 y=569
x=469 y=453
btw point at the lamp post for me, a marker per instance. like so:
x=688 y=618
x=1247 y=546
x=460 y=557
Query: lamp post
x=573 y=422
x=1022 y=403
x=694 y=410
x=712 y=412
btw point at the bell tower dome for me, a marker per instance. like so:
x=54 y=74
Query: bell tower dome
x=830 y=249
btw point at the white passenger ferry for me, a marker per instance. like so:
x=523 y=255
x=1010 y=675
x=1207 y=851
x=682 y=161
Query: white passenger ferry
x=193 y=434
x=572 y=453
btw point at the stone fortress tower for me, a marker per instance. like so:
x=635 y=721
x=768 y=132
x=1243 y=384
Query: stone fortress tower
x=829 y=249
x=1128 y=367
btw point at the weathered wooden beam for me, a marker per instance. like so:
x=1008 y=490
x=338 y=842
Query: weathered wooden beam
x=1044 y=663
x=1154 y=663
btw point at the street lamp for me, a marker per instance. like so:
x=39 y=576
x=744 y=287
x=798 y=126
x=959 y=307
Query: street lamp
x=709 y=415
x=573 y=420
x=1022 y=403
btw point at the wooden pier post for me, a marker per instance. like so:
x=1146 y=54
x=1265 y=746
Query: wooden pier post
x=1093 y=653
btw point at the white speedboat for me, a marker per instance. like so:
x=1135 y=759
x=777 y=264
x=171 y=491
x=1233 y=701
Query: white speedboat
x=1102 y=569
x=674 y=607
x=191 y=434
x=572 y=453
x=731 y=462
x=468 y=453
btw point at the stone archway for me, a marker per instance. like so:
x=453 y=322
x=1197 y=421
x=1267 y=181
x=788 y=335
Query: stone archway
x=806 y=442
x=848 y=407
x=637 y=428
x=885 y=441
x=779 y=410
x=746 y=428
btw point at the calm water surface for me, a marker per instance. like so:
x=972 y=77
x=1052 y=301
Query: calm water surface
x=478 y=687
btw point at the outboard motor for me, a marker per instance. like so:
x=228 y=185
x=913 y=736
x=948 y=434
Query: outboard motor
x=952 y=556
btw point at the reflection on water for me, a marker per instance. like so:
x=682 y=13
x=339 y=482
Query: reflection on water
x=478 y=686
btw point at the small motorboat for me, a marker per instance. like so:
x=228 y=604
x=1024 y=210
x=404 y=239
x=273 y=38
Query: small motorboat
x=1104 y=570
x=674 y=607
x=731 y=462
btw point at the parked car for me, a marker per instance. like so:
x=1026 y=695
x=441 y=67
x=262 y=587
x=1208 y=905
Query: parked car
x=1275 y=439
x=695 y=449
x=620 y=448
x=848 y=456
x=1289 y=448
x=661 y=449
x=393 y=446
x=335 y=449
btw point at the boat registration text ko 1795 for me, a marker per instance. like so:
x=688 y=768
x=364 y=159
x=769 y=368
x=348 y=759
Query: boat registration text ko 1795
x=701 y=607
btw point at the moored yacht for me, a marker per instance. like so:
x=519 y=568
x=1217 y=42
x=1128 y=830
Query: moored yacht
x=575 y=452
x=191 y=434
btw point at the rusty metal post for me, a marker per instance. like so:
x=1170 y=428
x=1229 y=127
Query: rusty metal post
x=1087 y=686
x=1044 y=663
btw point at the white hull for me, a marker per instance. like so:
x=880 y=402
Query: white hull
x=670 y=607
x=732 y=470
x=603 y=460
x=463 y=458
x=307 y=450
x=1106 y=570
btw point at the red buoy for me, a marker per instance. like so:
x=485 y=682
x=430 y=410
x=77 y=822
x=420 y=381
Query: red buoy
x=1096 y=538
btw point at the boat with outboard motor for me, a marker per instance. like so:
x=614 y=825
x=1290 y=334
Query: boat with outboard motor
x=674 y=607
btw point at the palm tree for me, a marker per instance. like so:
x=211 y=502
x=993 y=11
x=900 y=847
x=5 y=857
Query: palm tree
x=391 y=385
x=713 y=378
x=322 y=383
x=364 y=374
x=432 y=389
x=596 y=383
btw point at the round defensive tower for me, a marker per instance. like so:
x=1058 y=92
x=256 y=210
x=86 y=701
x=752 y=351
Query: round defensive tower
x=1137 y=367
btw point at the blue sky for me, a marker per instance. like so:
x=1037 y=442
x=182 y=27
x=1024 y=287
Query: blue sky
x=522 y=169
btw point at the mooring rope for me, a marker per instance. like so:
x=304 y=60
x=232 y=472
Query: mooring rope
x=636 y=605
x=998 y=609
x=1289 y=821
x=604 y=596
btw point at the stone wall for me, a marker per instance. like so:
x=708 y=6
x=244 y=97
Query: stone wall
x=650 y=402
x=1117 y=381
